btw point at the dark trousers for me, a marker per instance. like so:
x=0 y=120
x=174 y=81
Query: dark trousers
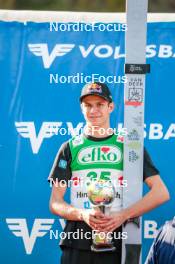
x=76 y=256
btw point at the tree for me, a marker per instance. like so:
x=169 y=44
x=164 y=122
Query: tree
x=84 y=5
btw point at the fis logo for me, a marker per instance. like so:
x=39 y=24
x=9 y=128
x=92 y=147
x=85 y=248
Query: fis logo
x=41 y=50
x=47 y=130
x=20 y=229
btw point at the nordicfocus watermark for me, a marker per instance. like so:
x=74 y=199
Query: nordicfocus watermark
x=87 y=27
x=77 y=183
x=89 y=131
x=81 y=78
x=89 y=235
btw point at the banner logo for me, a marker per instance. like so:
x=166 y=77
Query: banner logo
x=102 y=51
x=41 y=50
x=47 y=130
x=20 y=229
x=152 y=131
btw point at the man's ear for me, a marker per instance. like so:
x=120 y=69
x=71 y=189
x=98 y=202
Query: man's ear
x=111 y=107
x=82 y=108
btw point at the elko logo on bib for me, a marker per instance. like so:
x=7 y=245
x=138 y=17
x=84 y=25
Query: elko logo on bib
x=100 y=154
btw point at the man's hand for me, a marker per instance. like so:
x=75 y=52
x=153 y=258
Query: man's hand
x=94 y=218
x=114 y=220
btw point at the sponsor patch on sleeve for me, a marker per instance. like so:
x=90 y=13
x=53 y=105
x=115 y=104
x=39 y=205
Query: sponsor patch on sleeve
x=78 y=140
x=62 y=164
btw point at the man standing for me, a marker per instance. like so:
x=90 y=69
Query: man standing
x=96 y=154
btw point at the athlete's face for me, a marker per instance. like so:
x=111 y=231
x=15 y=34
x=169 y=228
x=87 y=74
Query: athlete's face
x=96 y=110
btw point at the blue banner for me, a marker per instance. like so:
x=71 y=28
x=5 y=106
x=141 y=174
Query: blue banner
x=43 y=68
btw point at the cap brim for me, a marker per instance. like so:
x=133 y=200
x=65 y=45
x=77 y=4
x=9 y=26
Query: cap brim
x=100 y=95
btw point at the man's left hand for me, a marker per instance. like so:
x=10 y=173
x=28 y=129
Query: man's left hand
x=114 y=221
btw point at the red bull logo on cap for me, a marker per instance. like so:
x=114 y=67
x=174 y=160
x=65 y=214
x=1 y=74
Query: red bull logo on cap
x=94 y=87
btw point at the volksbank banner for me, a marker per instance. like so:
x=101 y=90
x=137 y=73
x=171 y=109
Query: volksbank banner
x=43 y=68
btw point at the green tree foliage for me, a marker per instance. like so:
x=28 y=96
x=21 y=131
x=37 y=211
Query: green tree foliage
x=8 y=4
x=84 y=5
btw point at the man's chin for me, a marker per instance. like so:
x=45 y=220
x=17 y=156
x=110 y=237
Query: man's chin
x=96 y=124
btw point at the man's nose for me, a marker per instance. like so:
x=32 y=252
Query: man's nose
x=94 y=109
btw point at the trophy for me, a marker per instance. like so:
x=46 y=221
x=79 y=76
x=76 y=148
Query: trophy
x=101 y=195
